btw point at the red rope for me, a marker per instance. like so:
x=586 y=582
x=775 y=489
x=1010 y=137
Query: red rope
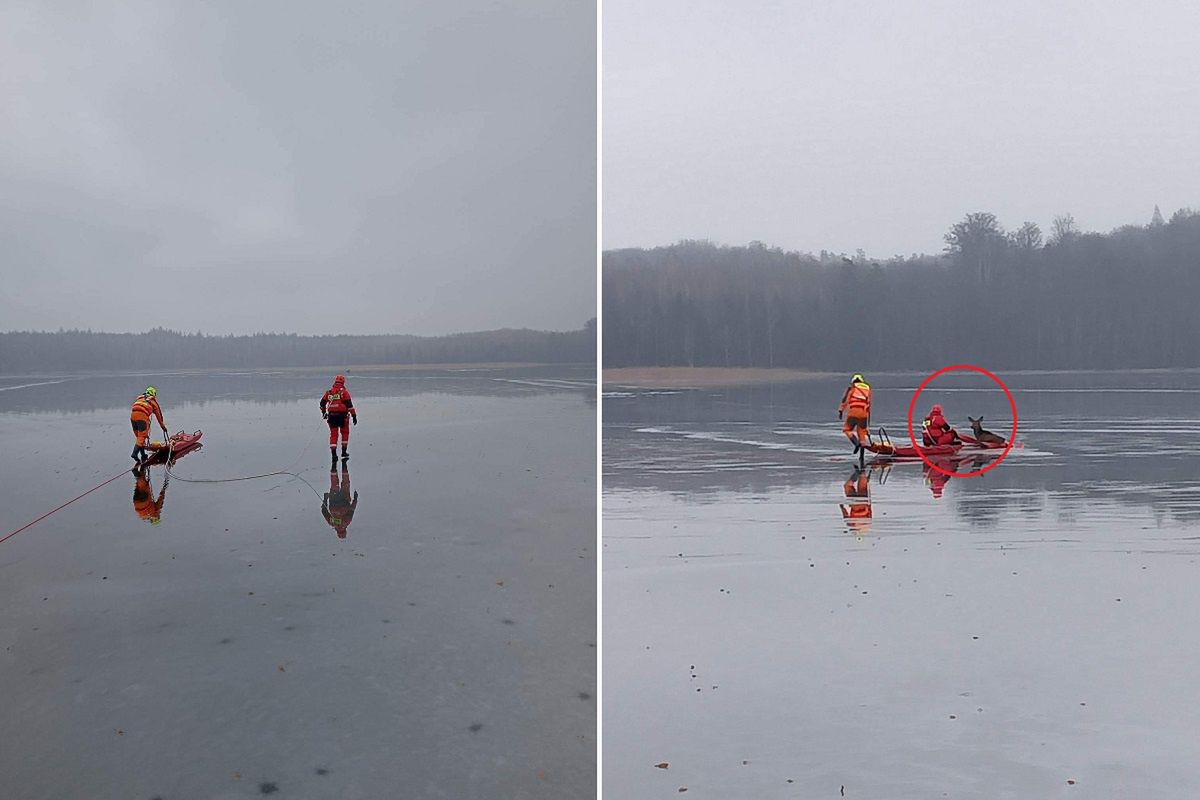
x=64 y=505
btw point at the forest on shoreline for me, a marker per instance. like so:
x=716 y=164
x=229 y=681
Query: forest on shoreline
x=29 y=352
x=1000 y=299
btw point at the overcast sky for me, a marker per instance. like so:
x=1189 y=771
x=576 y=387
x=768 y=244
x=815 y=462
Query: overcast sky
x=877 y=125
x=399 y=167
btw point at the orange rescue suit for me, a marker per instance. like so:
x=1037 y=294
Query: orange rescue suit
x=139 y=417
x=336 y=403
x=856 y=405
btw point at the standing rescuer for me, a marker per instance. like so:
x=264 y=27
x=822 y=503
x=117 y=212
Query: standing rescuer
x=145 y=406
x=855 y=410
x=335 y=406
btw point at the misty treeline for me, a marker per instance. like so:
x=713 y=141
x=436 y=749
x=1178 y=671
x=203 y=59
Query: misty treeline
x=34 y=352
x=999 y=299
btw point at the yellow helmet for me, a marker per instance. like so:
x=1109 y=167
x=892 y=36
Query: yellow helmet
x=857 y=378
x=155 y=520
x=151 y=391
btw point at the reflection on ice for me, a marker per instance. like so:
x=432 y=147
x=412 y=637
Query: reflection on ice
x=196 y=390
x=303 y=659
x=993 y=635
x=701 y=444
x=337 y=506
x=145 y=505
x=856 y=511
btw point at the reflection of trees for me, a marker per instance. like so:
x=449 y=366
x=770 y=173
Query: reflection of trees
x=1070 y=492
x=980 y=514
x=1029 y=490
x=653 y=462
x=89 y=393
x=1071 y=425
x=1177 y=500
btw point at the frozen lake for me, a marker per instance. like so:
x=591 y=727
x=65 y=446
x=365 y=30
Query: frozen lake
x=1027 y=633
x=445 y=647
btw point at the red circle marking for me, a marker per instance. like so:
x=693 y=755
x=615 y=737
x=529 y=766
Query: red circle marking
x=913 y=405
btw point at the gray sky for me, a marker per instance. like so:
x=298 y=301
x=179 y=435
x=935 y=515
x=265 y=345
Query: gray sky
x=849 y=124
x=394 y=167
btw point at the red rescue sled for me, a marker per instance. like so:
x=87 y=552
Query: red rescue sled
x=885 y=449
x=181 y=443
x=889 y=450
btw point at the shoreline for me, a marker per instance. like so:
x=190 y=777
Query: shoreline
x=440 y=367
x=716 y=377
x=703 y=377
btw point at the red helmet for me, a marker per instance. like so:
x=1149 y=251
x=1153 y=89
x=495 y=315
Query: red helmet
x=937 y=409
x=339 y=380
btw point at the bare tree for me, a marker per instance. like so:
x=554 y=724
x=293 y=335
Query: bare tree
x=1065 y=229
x=1027 y=237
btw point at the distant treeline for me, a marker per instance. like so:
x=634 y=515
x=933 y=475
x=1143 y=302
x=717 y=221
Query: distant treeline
x=1126 y=299
x=31 y=352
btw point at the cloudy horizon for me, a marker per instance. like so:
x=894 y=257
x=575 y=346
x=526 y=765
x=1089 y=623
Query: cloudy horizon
x=234 y=169
x=861 y=125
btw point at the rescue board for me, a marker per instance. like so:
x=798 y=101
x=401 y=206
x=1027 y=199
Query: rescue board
x=907 y=451
x=884 y=448
x=181 y=443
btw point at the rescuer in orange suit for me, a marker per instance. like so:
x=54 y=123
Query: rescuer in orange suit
x=145 y=406
x=144 y=503
x=857 y=513
x=336 y=405
x=855 y=408
x=336 y=506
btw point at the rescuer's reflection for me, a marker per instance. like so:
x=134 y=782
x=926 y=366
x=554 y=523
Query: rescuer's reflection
x=856 y=512
x=337 y=506
x=144 y=504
